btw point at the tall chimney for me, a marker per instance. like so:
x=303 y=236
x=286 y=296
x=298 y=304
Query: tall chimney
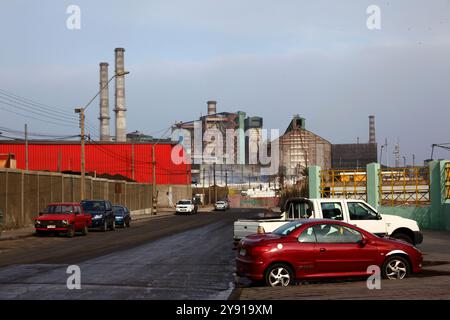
x=105 y=134
x=121 y=123
x=212 y=109
x=372 y=138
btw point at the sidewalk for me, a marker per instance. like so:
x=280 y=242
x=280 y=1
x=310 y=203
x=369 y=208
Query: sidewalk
x=26 y=232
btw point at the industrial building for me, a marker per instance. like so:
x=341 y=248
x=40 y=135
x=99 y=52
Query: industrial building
x=245 y=142
x=356 y=155
x=300 y=148
x=130 y=160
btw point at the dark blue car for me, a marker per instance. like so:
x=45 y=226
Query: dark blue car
x=101 y=212
x=122 y=216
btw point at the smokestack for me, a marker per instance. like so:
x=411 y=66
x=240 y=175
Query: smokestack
x=104 y=103
x=121 y=123
x=212 y=109
x=372 y=138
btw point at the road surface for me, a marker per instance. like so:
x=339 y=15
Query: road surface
x=172 y=257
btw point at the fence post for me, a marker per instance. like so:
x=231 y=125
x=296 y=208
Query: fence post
x=437 y=193
x=373 y=184
x=314 y=182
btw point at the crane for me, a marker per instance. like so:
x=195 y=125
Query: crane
x=445 y=146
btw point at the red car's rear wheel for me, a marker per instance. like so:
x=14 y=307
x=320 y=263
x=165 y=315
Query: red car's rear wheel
x=279 y=274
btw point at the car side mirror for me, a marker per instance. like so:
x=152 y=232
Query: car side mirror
x=362 y=243
x=379 y=217
x=41 y=213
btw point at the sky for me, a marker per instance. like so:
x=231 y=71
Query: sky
x=272 y=59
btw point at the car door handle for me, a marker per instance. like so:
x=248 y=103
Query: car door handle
x=322 y=250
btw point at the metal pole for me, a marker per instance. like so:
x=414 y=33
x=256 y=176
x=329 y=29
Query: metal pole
x=203 y=187
x=80 y=111
x=215 y=185
x=26 y=147
x=154 y=200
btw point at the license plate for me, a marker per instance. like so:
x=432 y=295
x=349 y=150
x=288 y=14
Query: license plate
x=51 y=226
x=242 y=252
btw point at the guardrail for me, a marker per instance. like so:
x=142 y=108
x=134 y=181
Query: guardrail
x=344 y=184
x=404 y=186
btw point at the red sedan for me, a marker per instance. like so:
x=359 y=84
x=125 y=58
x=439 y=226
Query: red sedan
x=311 y=249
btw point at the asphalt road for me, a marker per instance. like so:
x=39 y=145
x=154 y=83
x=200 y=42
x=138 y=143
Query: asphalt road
x=172 y=257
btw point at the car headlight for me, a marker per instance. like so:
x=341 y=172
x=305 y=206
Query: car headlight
x=97 y=216
x=65 y=222
x=38 y=222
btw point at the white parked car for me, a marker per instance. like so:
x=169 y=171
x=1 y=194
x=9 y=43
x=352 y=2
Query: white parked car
x=220 y=205
x=186 y=206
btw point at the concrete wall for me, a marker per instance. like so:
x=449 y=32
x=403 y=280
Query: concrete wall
x=421 y=214
x=23 y=194
x=238 y=201
x=168 y=195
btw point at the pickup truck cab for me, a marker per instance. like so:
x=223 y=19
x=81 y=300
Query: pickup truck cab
x=355 y=212
x=66 y=218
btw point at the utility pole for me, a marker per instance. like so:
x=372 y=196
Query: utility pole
x=154 y=193
x=215 y=186
x=414 y=160
x=203 y=186
x=26 y=147
x=226 y=178
x=80 y=111
x=209 y=184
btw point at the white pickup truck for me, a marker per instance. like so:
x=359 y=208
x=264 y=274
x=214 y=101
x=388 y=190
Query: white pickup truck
x=356 y=212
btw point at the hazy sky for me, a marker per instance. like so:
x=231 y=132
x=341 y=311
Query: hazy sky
x=269 y=58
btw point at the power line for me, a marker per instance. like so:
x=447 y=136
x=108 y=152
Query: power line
x=37 y=104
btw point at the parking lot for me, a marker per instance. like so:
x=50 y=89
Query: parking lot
x=184 y=257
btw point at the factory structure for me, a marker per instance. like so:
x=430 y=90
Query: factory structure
x=300 y=148
x=223 y=167
x=121 y=155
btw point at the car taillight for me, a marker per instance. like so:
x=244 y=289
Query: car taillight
x=260 y=229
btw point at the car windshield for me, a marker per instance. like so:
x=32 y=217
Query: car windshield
x=184 y=202
x=286 y=229
x=93 y=206
x=118 y=210
x=220 y=202
x=58 y=209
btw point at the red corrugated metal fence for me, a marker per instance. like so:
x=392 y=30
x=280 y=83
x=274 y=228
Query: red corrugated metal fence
x=131 y=160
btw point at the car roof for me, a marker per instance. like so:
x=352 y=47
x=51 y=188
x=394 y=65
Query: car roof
x=64 y=204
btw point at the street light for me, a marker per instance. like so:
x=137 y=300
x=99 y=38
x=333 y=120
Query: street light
x=81 y=112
